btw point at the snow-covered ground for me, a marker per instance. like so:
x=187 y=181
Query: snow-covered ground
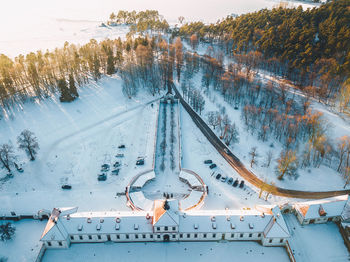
x=75 y=140
x=25 y=245
x=169 y=252
x=316 y=242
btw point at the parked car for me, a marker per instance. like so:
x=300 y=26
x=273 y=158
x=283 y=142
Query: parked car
x=235 y=183
x=102 y=177
x=241 y=185
x=140 y=161
x=226 y=150
x=115 y=171
x=209 y=161
x=105 y=167
x=119 y=155
x=223 y=179
x=212 y=166
x=117 y=164
x=66 y=186
x=230 y=181
x=121 y=146
x=218 y=176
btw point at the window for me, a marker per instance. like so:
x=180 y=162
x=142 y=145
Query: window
x=71 y=237
x=166 y=228
x=174 y=236
x=181 y=235
x=143 y=236
x=250 y=235
x=158 y=236
x=270 y=241
x=151 y=236
x=118 y=237
x=127 y=236
x=60 y=243
x=204 y=235
x=174 y=228
x=49 y=244
x=281 y=241
x=188 y=235
x=81 y=237
x=259 y=235
x=241 y=235
x=158 y=228
x=195 y=235
x=136 y=236
x=214 y=235
x=232 y=235
x=99 y=237
x=90 y=237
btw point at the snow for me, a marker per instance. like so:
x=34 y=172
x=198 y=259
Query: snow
x=168 y=252
x=316 y=242
x=25 y=245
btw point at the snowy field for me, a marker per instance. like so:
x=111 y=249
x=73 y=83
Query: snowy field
x=75 y=140
x=25 y=245
x=169 y=252
x=322 y=242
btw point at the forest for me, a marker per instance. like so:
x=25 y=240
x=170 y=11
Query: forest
x=309 y=47
x=154 y=61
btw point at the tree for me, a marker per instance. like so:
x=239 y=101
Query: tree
x=181 y=19
x=28 y=142
x=178 y=57
x=253 y=155
x=232 y=135
x=287 y=164
x=194 y=41
x=72 y=88
x=269 y=157
x=214 y=118
x=65 y=92
x=7 y=231
x=7 y=156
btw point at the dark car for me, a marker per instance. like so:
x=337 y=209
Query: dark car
x=235 y=183
x=66 y=187
x=117 y=164
x=105 y=167
x=121 y=146
x=115 y=171
x=208 y=161
x=102 y=177
x=140 y=162
x=230 y=181
x=241 y=185
x=218 y=176
x=212 y=166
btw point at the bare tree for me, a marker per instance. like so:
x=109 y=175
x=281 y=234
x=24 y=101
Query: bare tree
x=7 y=156
x=269 y=157
x=28 y=142
x=7 y=231
x=232 y=134
x=253 y=155
x=287 y=164
x=214 y=118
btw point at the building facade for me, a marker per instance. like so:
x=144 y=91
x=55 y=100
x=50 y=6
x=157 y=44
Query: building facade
x=166 y=223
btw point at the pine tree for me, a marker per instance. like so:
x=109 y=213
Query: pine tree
x=72 y=88
x=65 y=94
x=110 y=62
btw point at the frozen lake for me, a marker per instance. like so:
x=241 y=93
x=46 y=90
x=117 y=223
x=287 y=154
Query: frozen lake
x=27 y=26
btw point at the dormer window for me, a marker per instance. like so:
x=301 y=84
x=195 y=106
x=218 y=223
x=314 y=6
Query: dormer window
x=102 y=220
x=241 y=218
x=213 y=225
x=88 y=220
x=117 y=226
x=212 y=219
x=80 y=227
x=98 y=227
x=117 y=220
x=251 y=225
x=136 y=226
x=233 y=226
x=195 y=226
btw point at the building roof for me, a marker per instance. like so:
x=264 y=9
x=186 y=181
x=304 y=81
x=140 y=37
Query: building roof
x=329 y=207
x=166 y=216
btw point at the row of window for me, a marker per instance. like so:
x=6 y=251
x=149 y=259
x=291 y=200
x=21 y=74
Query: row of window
x=143 y=236
x=167 y=228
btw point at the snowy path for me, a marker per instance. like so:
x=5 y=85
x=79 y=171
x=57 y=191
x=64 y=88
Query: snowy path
x=167 y=166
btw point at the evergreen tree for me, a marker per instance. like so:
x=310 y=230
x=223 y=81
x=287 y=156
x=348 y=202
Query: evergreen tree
x=72 y=88
x=65 y=93
x=110 y=62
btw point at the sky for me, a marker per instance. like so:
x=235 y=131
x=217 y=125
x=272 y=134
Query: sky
x=28 y=25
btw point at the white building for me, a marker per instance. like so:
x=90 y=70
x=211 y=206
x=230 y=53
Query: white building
x=165 y=223
x=321 y=211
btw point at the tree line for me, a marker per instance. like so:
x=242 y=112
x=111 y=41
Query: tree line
x=310 y=47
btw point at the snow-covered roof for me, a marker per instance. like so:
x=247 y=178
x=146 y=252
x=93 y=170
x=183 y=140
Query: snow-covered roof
x=329 y=207
x=220 y=221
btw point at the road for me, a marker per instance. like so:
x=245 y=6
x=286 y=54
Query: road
x=242 y=170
